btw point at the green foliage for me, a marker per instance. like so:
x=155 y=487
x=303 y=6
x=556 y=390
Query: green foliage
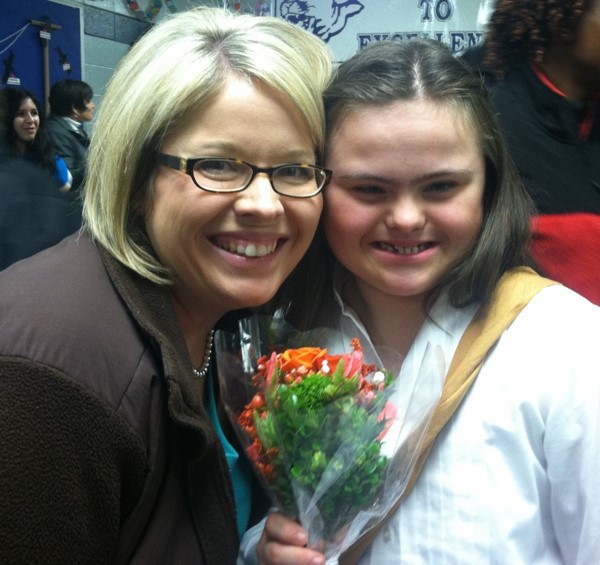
x=325 y=429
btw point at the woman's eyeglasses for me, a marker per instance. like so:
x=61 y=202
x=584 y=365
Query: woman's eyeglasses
x=215 y=174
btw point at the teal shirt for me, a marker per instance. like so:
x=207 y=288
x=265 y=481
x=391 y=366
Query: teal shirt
x=241 y=474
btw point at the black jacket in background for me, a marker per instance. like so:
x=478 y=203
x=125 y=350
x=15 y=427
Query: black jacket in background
x=555 y=144
x=34 y=214
x=71 y=145
x=560 y=169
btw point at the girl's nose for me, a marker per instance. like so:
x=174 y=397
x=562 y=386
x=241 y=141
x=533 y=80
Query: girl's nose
x=406 y=214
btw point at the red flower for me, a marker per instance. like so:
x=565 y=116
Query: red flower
x=388 y=414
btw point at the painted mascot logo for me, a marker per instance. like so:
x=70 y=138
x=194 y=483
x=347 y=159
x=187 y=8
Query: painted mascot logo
x=325 y=21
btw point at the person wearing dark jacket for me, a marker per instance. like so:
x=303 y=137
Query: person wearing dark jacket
x=201 y=202
x=544 y=56
x=34 y=215
x=71 y=106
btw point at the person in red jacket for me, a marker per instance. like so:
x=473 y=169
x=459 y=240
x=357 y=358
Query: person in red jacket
x=544 y=57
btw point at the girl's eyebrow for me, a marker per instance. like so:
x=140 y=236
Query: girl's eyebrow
x=363 y=176
x=366 y=176
x=445 y=173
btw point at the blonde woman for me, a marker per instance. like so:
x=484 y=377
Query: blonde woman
x=203 y=193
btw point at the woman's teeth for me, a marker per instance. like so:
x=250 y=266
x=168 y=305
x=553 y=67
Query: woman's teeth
x=249 y=249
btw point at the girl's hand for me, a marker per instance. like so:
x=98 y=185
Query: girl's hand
x=283 y=542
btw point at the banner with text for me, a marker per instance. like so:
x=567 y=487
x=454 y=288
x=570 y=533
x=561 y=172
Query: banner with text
x=350 y=25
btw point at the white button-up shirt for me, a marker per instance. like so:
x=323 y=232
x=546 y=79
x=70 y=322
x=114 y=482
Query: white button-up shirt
x=514 y=477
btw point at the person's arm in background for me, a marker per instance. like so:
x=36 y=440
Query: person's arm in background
x=63 y=175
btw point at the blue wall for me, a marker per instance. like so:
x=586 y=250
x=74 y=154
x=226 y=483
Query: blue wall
x=23 y=59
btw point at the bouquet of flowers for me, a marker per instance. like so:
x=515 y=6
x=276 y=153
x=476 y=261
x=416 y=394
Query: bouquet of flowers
x=325 y=432
x=300 y=393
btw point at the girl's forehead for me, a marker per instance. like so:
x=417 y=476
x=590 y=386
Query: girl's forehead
x=406 y=137
x=27 y=103
x=394 y=114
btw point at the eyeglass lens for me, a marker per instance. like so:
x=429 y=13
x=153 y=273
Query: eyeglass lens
x=223 y=175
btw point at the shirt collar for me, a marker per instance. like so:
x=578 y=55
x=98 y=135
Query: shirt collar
x=74 y=124
x=588 y=108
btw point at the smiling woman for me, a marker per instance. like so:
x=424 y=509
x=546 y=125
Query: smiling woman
x=107 y=355
x=25 y=134
x=210 y=238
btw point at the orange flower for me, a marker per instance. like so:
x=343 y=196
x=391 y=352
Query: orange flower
x=308 y=357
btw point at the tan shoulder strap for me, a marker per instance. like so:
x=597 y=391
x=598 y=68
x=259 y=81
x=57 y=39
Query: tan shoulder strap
x=513 y=292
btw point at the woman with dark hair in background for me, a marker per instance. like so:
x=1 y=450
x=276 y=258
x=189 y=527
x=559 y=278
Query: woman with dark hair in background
x=544 y=56
x=33 y=214
x=25 y=134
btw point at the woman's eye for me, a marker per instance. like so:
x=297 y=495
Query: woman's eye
x=295 y=174
x=218 y=168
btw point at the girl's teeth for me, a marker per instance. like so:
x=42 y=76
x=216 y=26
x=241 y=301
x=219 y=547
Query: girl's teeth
x=404 y=250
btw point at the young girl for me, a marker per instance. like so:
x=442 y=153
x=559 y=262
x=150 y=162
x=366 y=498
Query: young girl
x=427 y=222
x=26 y=135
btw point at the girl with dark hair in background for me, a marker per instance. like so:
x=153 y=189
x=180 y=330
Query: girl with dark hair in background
x=544 y=56
x=25 y=134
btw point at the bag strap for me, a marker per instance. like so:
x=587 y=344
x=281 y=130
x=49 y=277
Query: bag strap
x=513 y=292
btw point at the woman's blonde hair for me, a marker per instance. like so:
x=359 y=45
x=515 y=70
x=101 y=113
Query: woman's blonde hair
x=172 y=72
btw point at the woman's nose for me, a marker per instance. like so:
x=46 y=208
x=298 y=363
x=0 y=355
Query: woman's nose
x=259 y=198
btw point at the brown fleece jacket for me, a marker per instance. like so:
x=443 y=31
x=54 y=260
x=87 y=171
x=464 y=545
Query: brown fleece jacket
x=106 y=452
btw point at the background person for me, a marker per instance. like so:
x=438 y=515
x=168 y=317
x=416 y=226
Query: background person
x=26 y=136
x=71 y=106
x=544 y=56
x=34 y=215
x=201 y=202
x=429 y=224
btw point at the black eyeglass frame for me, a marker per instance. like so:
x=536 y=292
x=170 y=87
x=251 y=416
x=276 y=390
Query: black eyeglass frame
x=186 y=166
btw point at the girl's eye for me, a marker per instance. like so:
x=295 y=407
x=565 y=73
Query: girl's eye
x=441 y=186
x=368 y=190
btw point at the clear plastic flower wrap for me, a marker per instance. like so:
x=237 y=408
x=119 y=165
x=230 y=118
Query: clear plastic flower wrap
x=333 y=438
